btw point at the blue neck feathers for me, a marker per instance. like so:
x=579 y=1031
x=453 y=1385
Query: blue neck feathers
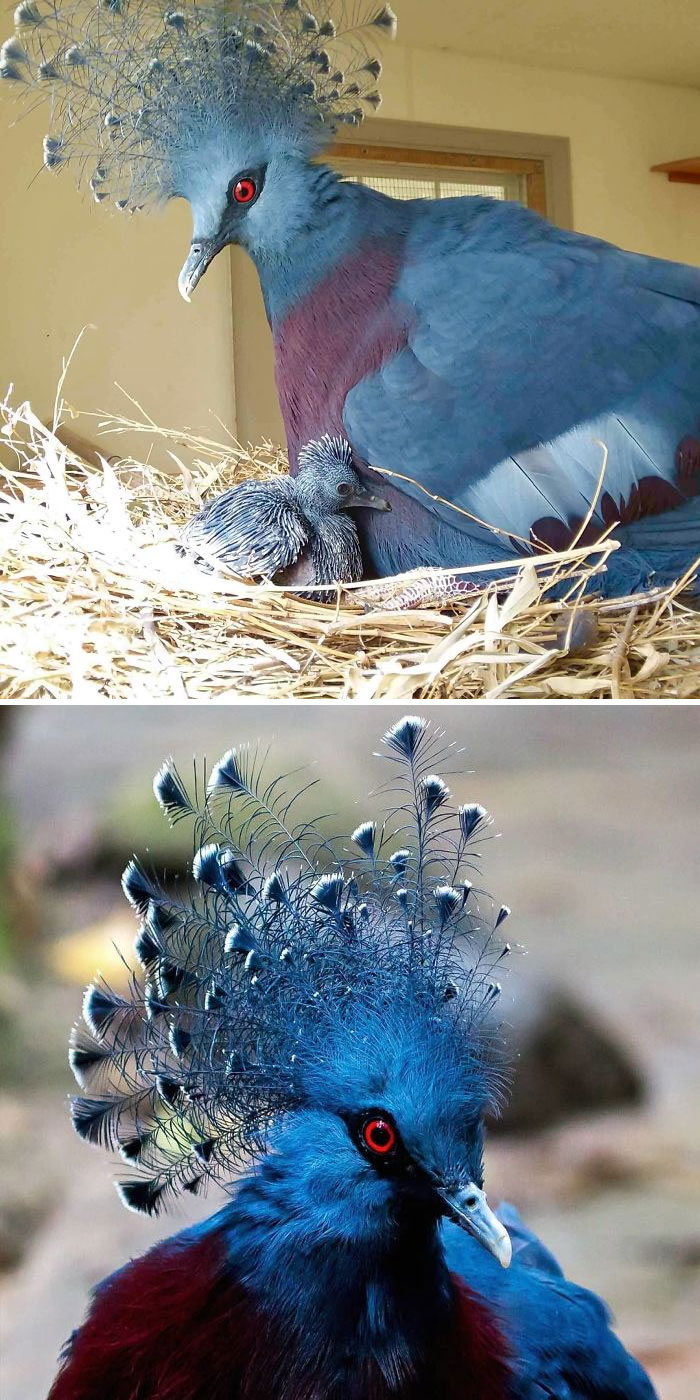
x=355 y=1318
x=339 y=216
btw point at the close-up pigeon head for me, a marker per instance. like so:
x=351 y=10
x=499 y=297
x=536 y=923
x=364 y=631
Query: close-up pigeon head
x=301 y=1044
x=323 y=1007
x=327 y=482
x=390 y=1134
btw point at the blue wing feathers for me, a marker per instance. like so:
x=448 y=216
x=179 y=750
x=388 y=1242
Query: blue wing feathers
x=560 y=1333
x=528 y=1249
x=528 y=347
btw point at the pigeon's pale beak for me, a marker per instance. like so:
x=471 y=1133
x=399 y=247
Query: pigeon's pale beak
x=201 y=253
x=362 y=497
x=467 y=1207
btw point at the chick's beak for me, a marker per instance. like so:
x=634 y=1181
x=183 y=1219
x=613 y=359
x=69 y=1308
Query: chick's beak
x=362 y=497
x=201 y=253
x=467 y=1206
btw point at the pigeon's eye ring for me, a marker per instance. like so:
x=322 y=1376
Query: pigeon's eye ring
x=379 y=1136
x=343 y=488
x=244 y=190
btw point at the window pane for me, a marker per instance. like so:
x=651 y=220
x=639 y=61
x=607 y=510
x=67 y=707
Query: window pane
x=448 y=190
x=399 y=187
x=405 y=182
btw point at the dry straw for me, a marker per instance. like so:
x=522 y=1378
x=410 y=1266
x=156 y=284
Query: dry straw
x=96 y=604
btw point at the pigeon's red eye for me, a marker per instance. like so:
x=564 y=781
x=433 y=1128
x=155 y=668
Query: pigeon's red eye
x=379 y=1136
x=244 y=190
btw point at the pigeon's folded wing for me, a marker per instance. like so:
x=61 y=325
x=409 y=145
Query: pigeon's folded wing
x=560 y=1334
x=527 y=349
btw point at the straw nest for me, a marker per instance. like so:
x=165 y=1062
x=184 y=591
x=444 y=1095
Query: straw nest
x=97 y=605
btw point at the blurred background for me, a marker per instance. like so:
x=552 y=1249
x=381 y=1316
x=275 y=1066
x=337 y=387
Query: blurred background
x=599 y=861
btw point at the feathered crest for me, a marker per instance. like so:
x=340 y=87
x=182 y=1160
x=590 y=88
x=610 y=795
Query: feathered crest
x=138 y=87
x=283 y=941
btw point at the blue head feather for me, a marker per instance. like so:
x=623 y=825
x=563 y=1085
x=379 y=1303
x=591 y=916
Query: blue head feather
x=150 y=100
x=300 y=981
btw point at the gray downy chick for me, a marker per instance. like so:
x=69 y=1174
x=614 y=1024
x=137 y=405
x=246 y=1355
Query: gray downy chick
x=294 y=530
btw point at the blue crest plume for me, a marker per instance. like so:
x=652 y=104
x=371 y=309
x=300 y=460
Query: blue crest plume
x=292 y=964
x=140 y=91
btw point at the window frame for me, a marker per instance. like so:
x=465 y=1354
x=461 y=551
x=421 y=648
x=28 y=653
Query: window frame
x=543 y=161
x=434 y=172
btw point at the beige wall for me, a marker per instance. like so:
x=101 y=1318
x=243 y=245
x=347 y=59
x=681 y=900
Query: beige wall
x=617 y=128
x=65 y=263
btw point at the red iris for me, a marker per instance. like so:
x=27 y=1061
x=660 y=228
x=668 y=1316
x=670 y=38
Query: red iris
x=244 y=190
x=379 y=1136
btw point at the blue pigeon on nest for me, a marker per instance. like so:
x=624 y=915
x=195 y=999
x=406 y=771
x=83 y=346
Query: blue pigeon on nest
x=313 y=1026
x=528 y=386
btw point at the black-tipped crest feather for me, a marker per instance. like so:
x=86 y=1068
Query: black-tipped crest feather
x=282 y=938
x=137 y=91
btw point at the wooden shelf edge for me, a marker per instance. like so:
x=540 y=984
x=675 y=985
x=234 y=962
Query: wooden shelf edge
x=681 y=172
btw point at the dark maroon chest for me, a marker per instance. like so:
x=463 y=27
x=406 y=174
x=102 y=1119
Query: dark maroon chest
x=175 y=1325
x=345 y=328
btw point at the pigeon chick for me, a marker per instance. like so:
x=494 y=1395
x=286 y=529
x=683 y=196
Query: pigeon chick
x=294 y=530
